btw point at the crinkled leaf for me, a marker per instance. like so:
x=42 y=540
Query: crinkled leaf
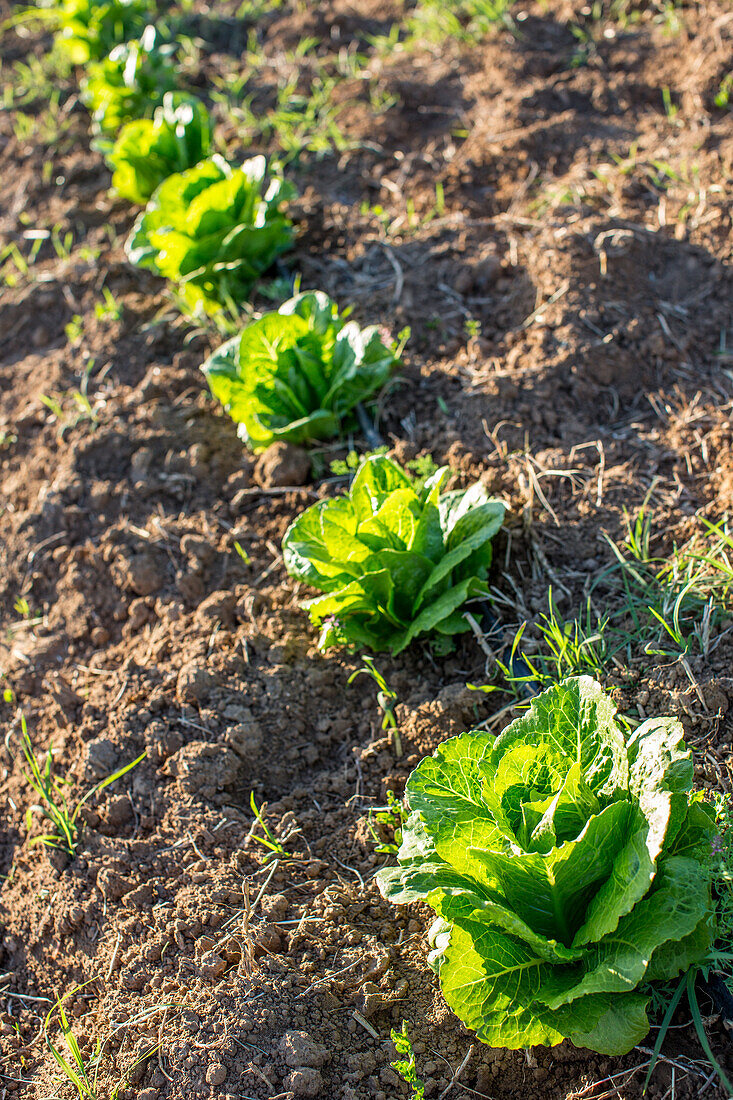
x=490 y=980
x=617 y=964
x=579 y=720
x=659 y=767
x=677 y=956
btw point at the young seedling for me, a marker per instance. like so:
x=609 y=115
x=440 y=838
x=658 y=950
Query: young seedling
x=406 y=1066
x=82 y=409
x=72 y=1063
x=83 y=1072
x=391 y=817
x=108 y=310
x=275 y=846
x=54 y=804
x=386 y=698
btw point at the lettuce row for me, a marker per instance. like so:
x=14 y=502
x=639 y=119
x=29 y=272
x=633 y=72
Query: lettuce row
x=130 y=83
x=214 y=229
x=568 y=867
x=297 y=373
x=147 y=151
x=394 y=562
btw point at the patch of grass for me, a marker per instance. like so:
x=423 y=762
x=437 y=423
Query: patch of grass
x=300 y=121
x=53 y=802
x=81 y=408
x=672 y=606
x=641 y=604
x=467 y=21
x=82 y=1071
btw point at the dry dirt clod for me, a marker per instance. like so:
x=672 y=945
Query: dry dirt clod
x=216 y=1074
x=143 y=575
x=304 y=1082
x=217 y=608
x=282 y=464
x=300 y=1049
x=101 y=757
x=212 y=966
x=246 y=737
x=194 y=683
x=202 y=769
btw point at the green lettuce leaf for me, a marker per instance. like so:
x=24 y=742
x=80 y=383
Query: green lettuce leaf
x=90 y=29
x=130 y=83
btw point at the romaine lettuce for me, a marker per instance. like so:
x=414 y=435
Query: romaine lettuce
x=297 y=373
x=394 y=562
x=568 y=866
x=148 y=150
x=214 y=229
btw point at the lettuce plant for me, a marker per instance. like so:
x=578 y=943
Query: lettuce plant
x=130 y=83
x=148 y=150
x=214 y=229
x=395 y=561
x=298 y=372
x=89 y=29
x=569 y=867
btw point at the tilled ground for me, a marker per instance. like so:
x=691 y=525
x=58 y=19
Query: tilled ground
x=571 y=312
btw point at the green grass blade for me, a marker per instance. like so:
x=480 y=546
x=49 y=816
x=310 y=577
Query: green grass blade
x=700 y=1029
x=663 y=1029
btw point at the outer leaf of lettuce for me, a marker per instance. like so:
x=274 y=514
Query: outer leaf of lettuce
x=611 y=1024
x=491 y=980
x=660 y=769
x=673 y=909
x=675 y=957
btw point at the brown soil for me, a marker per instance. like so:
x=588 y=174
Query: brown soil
x=597 y=372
